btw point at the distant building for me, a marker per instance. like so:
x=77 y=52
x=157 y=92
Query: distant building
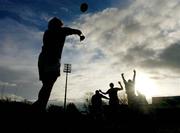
x=173 y=101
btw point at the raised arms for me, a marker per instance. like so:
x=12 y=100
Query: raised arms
x=134 y=76
x=122 y=75
x=121 y=87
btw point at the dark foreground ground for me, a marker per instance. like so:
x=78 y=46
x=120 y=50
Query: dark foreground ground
x=19 y=117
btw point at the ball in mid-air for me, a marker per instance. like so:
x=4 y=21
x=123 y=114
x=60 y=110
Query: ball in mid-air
x=84 y=7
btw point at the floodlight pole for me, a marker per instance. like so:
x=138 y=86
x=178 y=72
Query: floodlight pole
x=67 y=69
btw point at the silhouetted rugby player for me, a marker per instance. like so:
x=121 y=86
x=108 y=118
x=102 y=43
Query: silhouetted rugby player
x=130 y=88
x=113 y=97
x=50 y=56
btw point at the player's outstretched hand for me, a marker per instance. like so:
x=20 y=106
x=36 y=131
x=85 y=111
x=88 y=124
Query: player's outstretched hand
x=119 y=82
x=82 y=38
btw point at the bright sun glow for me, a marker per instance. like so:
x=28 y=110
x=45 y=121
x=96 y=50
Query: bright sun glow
x=145 y=85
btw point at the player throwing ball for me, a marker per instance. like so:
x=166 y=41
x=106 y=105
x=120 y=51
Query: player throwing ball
x=50 y=56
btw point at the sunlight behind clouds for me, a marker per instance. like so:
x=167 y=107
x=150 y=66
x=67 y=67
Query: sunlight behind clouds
x=137 y=37
x=145 y=85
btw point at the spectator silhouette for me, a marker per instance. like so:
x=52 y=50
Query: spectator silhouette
x=113 y=97
x=96 y=101
x=50 y=56
x=130 y=88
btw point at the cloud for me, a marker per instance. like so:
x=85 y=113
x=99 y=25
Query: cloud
x=7 y=84
x=143 y=36
x=36 y=13
x=12 y=97
x=20 y=46
x=168 y=58
x=170 y=55
x=138 y=33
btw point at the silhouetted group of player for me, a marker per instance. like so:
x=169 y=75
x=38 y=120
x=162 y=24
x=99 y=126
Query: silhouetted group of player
x=113 y=92
x=96 y=100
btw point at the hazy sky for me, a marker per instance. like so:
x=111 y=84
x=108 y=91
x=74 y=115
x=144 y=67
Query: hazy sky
x=121 y=35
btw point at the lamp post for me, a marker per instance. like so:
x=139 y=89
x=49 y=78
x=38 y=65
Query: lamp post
x=67 y=69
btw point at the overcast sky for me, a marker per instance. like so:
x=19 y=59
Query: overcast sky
x=121 y=35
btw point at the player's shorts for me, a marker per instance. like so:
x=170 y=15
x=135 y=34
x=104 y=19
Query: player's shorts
x=48 y=69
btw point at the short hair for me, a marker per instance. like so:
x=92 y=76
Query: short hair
x=129 y=80
x=111 y=85
x=97 y=92
x=55 y=23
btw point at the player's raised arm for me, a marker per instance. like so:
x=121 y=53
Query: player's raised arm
x=122 y=75
x=121 y=87
x=134 y=76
